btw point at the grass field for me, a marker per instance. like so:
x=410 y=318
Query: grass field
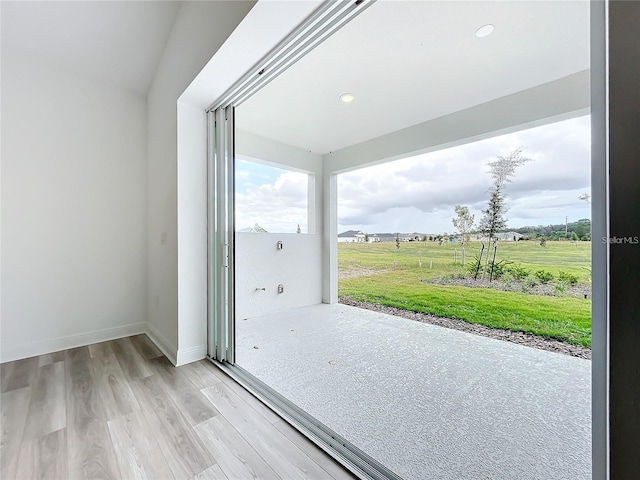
x=562 y=318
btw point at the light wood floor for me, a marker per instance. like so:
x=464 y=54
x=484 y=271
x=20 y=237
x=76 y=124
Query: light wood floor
x=119 y=410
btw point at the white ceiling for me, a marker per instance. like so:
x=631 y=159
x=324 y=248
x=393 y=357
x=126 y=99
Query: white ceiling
x=116 y=42
x=412 y=61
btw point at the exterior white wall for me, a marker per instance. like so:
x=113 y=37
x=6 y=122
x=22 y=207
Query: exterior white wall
x=329 y=235
x=200 y=29
x=259 y=264
x=298 y=266
x=73 y=210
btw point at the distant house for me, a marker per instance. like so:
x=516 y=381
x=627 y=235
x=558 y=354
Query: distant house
x=350 y=236
x=502 y=237
x=256 y=229
x=386 y=237
x=356 y=236
x=509 y=236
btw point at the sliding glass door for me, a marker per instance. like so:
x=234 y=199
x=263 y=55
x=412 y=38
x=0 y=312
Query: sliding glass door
x=221 y=234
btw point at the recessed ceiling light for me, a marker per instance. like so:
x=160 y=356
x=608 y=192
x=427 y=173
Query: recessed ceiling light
x=347 y=97
x=484 y=31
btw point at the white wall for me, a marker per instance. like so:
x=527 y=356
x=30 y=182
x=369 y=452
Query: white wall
x=192 y=228
x=73 y=210
x=200 y=29
x=259 y=264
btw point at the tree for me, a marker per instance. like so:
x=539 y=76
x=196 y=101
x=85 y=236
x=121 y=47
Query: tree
x=366 y=238
x=503 y=169
x=464 y=223
x=493 y=218
x=398 y=241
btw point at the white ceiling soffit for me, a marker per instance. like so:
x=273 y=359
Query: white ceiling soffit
x=264 y=27
x=116 y=42
x=407 y=62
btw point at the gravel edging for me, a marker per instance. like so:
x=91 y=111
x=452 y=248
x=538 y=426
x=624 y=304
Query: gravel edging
x=527 y=339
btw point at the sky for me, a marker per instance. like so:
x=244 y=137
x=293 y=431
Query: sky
x=418 y=194
x=273 y=198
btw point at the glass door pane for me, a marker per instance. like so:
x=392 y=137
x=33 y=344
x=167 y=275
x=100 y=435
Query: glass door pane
x=221 y=237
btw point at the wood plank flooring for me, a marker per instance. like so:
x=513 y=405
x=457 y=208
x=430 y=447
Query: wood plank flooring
x=120 y=410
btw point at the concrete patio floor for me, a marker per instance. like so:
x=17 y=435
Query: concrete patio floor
x=426 y=401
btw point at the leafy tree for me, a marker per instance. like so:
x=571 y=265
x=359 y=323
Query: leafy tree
x=366 y=238
x=493 y=219
x=503 y=169
x=464 y=223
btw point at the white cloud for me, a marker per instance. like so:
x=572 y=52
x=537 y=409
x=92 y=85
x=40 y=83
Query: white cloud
x=278 y=207
x=419 y=193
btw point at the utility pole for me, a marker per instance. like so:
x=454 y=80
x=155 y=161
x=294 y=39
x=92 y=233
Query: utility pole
x=566 y=226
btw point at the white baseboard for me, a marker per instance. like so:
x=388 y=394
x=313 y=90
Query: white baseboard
x=181 y=357
x=162 y=343
x=18 y=352
x=193 y=354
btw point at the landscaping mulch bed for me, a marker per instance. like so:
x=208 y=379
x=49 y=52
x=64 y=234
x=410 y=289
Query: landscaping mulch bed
x=548 y=289
x=521 y=338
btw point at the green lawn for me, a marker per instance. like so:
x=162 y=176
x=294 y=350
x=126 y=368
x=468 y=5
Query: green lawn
x=566 y=319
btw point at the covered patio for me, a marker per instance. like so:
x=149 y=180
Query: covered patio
x=426 y=401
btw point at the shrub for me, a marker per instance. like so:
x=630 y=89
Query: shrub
x=473 y=266
x=498 y=268
x=518 y=272
x=560 y=287
x=569 y=278
x=544 y=276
